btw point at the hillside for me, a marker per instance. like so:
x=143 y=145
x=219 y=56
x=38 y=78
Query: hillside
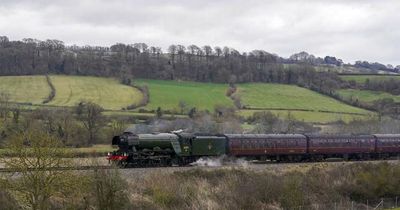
x=302 y=103
x=70 y=90
x=25 y=89
x=366 y=96
x=379 y=87
x=278 y=96
x=168 y=95
x=108 y=93
x=360 y=79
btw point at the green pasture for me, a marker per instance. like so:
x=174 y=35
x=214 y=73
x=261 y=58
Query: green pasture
x=366 y=96
x=360 y=79
x=310 y=116
x=290 y=97
x=168 y=95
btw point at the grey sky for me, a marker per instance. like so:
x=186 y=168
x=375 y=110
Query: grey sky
x=351 y=30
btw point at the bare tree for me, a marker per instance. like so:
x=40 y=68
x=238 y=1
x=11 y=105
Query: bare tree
x=36 y=155
x=91 y=116
x=182 y=105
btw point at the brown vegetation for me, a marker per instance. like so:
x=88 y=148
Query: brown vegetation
x=237 y=188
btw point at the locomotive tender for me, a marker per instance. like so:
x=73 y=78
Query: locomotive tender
x=167 y=149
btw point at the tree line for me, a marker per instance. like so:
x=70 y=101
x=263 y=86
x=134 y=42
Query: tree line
x=203 y=64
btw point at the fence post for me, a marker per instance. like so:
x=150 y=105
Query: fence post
x=396 y=202
x=367 y=205
x=352 y=205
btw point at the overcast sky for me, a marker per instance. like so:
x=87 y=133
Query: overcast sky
x=351 y=30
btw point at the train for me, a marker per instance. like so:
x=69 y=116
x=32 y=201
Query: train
x=180 y=148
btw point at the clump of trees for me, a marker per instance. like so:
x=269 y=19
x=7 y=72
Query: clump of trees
x=37 y=153
x=391 y=85
x=38 y=182
x=90 y=114
x=78 y=126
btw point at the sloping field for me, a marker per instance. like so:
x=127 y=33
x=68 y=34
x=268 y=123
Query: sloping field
x=290 y=97
x=25 y=89
x=307 y=116
x=362 y=78
x=168 y=94
x=366 y=96
x=108 y=93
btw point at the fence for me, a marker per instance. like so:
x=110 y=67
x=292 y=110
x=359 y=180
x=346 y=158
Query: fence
x=383 y=203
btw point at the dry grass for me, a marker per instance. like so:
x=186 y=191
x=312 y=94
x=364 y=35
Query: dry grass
x=240 y=188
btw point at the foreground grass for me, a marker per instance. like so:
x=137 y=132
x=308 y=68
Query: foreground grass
x=108 y=93
x=366 y=96
x=325 y=186
x=25 y=89
x=168 y=94
x=290 y=97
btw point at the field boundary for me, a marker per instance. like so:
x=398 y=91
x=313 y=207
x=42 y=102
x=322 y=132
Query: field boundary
x=366 y=74
x=303 y=110
x=146 y=97
x=52 y=90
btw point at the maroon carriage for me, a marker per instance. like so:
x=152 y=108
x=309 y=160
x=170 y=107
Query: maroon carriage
x=387 y=143
x=267 y=145
x=341 y=145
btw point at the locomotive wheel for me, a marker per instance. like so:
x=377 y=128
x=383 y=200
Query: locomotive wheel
x=176 y=162
x=122 y=164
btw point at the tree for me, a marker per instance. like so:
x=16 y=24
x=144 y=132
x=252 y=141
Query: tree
x=91 y=116
x=66 y=125
x=182 y=105
x=159 y=112
x=36 y=154
x=192 y=112
x=109 y=190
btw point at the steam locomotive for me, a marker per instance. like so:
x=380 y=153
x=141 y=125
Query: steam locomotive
x=177 y=148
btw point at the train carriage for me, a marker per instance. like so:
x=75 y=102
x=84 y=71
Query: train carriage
x=267 y=145
x=387 y=143
x=341 y=145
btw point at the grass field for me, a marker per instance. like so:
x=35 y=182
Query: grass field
x=25 y=89
x=113 y=96
x=362 y=78
x=278 y=96
x=168 y=94
x=367 y=96
x=108 y=93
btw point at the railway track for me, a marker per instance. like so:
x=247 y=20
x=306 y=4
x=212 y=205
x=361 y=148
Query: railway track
x=245 y=164
x=76 y=168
